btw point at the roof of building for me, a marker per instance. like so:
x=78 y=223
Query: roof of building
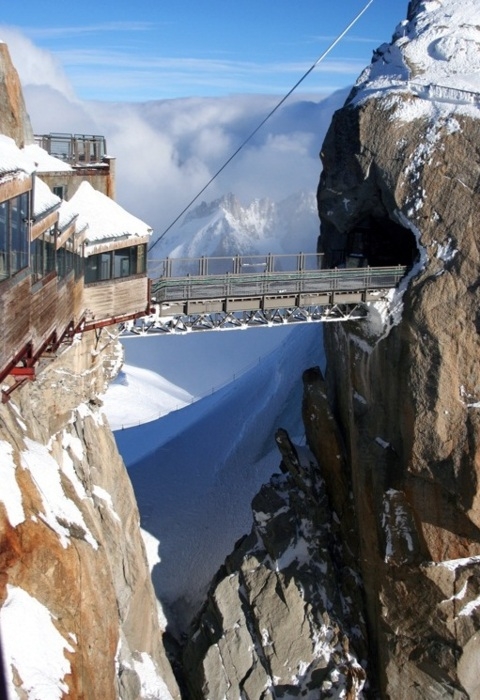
x=13 y=160
x=43 y=161
x=67 y=215
x=107 y=221
x=43 y=199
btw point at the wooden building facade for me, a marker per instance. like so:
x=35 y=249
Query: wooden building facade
x=65 y=268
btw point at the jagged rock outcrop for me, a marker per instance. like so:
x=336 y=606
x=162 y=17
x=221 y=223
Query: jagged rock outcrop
x=14 y=119
x=401 y=164
x=283 y=619
x=78 y=612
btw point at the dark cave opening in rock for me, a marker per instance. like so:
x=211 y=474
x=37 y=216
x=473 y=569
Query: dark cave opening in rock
x=374 y=242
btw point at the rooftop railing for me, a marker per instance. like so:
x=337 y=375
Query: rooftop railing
x=75 y=149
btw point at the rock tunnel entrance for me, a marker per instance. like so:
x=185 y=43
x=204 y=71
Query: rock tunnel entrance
x=372 y=241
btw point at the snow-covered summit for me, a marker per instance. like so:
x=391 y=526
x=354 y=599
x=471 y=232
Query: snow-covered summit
x=226 y=227
x=435 y=54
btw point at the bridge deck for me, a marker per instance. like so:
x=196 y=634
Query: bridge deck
x=271 y=290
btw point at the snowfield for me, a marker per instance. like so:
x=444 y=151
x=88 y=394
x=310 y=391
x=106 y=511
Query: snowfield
x=140 y=396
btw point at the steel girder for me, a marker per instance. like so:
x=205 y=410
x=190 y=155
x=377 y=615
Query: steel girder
x=222 y=320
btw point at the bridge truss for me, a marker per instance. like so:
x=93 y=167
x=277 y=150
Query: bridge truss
x=234 y=320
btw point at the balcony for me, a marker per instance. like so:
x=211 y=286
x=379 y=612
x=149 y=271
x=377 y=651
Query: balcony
x=81 y=150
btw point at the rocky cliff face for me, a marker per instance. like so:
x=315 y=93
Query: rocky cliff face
x=401 y=164
x=79 y=616
x=395 y=430
x=77 y=610
x=14 y=120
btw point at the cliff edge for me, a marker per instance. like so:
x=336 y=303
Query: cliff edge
x=14 y=119
x=400 y=184
x=78 y=613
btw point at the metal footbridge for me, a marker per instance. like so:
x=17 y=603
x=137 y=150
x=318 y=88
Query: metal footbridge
x=243 y=291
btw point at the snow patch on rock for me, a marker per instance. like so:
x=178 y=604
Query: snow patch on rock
x=60 y=512
x=10 y=494
x=433 y=63
x=34 y=650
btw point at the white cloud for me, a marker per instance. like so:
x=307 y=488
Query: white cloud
x=52 y=110
x=168 y=150
x=35 y=66
x=41 y=32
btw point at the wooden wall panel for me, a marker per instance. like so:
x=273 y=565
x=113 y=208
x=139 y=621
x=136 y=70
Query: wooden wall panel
x=43 y=320
x=15 y=317
x=98 y=299
x=116 y=297
x=33 y=314
x=70 y=306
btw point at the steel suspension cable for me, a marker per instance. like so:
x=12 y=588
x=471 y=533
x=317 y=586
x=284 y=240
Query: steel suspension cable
x=264 y=120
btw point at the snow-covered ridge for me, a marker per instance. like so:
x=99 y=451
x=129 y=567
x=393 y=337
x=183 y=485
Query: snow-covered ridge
x=435 y=55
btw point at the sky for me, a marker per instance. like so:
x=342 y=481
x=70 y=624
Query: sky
x=138 y=51
x=175 y=89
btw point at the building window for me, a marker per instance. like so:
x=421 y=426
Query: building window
x=115 y=264
x=60 y=191
x=4 y=246
x=14 y=243
x=42 y=253
x=121 y=262
x=105 y=266
x=66 y=258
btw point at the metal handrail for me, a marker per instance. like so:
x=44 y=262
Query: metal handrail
x=191 y=287
x=234 y=264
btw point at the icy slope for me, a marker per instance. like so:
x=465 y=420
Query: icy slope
x=139 y=396
x=195 y=471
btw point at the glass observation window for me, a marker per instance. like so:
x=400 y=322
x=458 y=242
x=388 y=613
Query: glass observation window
x=4 y=242
x=116 y=264
x=14 y=235
x=42 y=254
x=66 y=257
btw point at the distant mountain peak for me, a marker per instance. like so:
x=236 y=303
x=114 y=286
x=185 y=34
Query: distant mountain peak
x=225 y=226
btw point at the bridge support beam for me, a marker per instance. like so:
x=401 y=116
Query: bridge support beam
x=186 y=323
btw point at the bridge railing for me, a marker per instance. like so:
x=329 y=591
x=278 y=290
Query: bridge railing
x=233 y=264
x=248 y=284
